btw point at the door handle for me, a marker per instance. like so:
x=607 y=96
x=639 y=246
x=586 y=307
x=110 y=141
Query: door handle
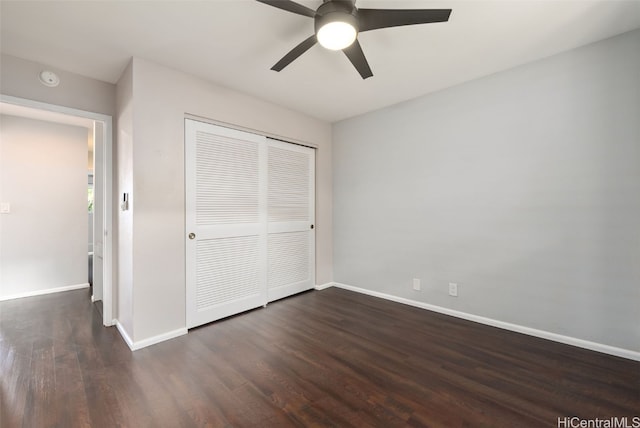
x=311 y=226
x=192 y=235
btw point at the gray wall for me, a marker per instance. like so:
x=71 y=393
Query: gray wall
x=523 y=187
x=123 y=293
x=43 y=174
x=20 y=79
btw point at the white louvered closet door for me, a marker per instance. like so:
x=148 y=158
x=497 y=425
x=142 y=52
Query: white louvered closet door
x=291 y=217
x=225 y=183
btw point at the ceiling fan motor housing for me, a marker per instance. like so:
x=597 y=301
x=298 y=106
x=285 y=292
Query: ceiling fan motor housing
x=332 y=11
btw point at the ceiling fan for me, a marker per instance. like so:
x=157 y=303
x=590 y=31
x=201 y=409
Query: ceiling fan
x=338 y=22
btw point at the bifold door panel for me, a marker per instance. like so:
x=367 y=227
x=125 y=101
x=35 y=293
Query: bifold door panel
x=249 y=220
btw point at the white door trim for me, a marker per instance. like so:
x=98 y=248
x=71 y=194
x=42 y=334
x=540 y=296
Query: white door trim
x=107 y=298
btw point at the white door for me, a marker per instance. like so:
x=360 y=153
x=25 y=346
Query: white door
x=225 y=221
x=290 y=212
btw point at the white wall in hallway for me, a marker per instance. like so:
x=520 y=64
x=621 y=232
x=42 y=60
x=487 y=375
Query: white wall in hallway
x=43 y=175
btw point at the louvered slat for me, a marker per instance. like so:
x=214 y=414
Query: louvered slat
x=288 y=258
x=227 y=180
x=226 y=270
x=288 y=195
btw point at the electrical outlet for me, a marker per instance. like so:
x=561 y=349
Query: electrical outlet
x=416 y=284
x=453 y=289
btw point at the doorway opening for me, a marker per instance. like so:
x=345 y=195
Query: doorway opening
x=100 y=212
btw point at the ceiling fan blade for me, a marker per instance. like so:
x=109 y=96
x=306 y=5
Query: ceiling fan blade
x=295 y=53
x=357 y=58
x=372 y=19
x=290 y=6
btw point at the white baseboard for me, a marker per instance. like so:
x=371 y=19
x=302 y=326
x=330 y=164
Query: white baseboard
x=47 y=291
x=324 y=286
x=160 y=338
x=125 y=335
x=581 y=343
x=134 y=346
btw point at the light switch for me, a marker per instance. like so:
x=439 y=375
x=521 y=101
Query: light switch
x=5 y=208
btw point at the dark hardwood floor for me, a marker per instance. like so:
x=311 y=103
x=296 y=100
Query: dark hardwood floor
x=323 y=358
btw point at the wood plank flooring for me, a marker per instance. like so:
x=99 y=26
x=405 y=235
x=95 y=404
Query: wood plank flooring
x=324 y=358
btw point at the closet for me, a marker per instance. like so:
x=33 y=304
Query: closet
x=250 y=235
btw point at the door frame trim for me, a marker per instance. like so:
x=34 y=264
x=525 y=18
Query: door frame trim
x=261 y=133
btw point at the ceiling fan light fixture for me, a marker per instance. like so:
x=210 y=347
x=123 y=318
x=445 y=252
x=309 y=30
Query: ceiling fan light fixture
x=336 y=25
x=337 y=35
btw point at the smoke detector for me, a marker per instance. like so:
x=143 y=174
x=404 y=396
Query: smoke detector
x=49 y=78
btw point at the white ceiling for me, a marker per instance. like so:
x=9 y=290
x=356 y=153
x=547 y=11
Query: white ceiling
x=235 y=42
